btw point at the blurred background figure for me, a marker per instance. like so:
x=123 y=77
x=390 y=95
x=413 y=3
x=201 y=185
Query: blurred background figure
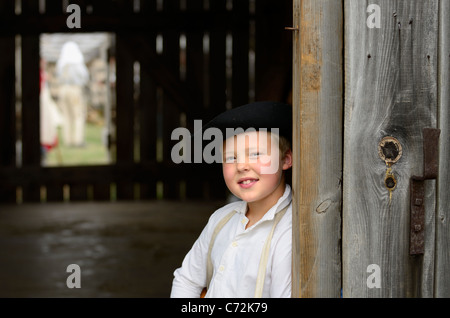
x=50 y=117
x=72 y=75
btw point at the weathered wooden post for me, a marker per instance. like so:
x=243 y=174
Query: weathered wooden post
x=397 y=87
x=317 y=146
x=396 y=84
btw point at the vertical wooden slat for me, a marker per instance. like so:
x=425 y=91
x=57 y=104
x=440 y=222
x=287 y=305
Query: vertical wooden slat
x=195 y=81
x=442 y=266
x=125 y=105
x=7 y=105
x=240 y=59
x=31 y=149
x=391 y=90
x=217 y=82
x=125 y=112
x=217 y=79
x=317 y=146
x=170 y=112
x=148 y=109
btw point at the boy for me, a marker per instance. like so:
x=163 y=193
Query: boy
x=245 y=249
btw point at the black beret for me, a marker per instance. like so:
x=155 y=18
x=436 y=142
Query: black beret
x=257 y=115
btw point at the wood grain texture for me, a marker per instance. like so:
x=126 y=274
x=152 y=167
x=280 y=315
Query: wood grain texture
x=391 y=90
x=442 y=274
x=317 y=113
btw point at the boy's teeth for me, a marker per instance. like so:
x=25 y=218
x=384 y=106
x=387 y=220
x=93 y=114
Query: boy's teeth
x=247 y=181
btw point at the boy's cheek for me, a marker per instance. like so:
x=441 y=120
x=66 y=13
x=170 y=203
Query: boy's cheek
x=271 y=167
x=226 y=171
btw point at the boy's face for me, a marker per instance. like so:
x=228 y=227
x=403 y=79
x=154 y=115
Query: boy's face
x=252 y=166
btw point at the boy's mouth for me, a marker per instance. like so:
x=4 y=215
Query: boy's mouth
x=247 y=182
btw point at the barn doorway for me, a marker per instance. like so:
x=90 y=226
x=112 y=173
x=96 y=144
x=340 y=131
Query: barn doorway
x=77 y=98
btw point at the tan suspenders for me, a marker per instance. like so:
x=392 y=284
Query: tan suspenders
x=264 y=255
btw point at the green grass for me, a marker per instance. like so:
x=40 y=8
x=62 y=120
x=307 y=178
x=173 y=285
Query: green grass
x=93 y=153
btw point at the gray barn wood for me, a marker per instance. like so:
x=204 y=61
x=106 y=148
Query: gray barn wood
x=391 y=90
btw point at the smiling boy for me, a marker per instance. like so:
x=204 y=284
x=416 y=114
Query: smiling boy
x=245 y=249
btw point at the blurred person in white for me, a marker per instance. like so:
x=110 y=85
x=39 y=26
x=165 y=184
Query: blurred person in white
x=73 y=75
x=50 y=116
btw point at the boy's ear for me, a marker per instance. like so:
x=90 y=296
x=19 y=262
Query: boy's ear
x=287 y=160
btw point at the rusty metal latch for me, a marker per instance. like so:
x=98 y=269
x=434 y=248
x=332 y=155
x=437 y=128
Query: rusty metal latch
x=430 y=171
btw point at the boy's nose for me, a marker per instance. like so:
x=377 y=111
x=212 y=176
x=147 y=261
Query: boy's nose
x=242 y=165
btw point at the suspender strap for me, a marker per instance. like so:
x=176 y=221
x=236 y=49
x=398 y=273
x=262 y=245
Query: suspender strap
x=219 y=226
x=265 y=255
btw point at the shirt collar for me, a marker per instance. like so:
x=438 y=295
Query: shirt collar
x=282 y=202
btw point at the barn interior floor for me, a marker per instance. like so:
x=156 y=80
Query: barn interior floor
x=123 y=249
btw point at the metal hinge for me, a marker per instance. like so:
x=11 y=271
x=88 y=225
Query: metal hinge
x=430 y=171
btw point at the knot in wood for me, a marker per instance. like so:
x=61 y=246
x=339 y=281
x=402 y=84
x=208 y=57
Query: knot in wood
x=389 y=150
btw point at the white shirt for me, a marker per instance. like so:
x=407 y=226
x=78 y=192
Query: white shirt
x=236 y=255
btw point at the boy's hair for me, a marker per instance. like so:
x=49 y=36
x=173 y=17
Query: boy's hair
x=284 y=145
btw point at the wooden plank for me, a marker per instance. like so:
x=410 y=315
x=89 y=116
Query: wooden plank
x=7 y=105
x=442 y=266
x=195 y=80
x=31 y=149
x=125 y=112
x=240 y=59
x=217 y=62
x=317 y=148
x=148 y=107
x=170 y=113
x=217 y=84
x=391 y=90
x=111 y=21
x=101 y=174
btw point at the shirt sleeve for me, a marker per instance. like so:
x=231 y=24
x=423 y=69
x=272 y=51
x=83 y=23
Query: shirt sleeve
x=282 y=266
x=190 y=278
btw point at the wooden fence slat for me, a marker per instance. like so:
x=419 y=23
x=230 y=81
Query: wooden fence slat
x=391 y=90
x=31 y=150
x=217 y=85
x=195 y=80
x=7 y=105
x=217 y=78
x=170 y=112
x=442 y=274
x=124 y=112
x=317 y=116
x=240 y=59
x=148 y=108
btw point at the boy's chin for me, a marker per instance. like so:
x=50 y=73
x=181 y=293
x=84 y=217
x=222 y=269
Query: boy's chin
x=248 y=198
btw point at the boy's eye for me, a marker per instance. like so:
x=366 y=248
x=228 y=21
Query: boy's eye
x=230 y=159
x=255 y=154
